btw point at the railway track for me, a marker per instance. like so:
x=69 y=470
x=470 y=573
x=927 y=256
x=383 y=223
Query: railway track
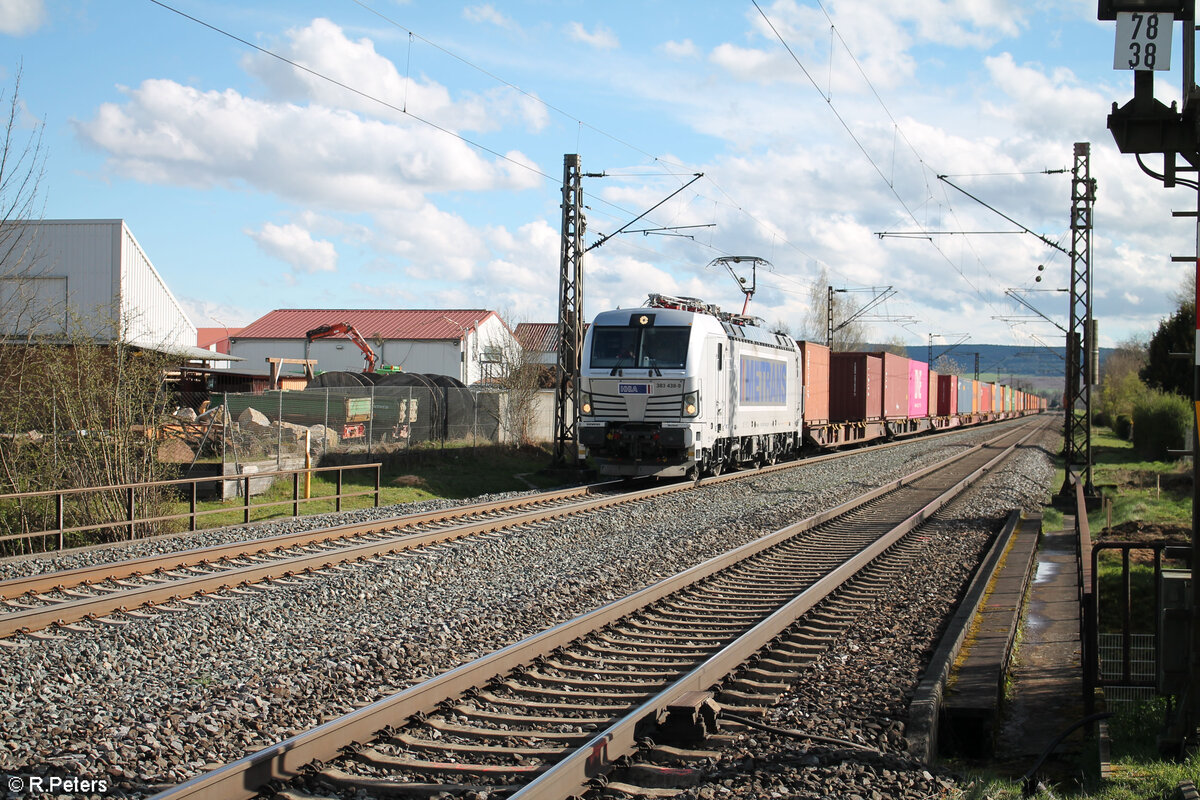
x=554 y=714
x=167 y=583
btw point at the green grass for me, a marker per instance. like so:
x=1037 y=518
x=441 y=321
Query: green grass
x=1146 y=491
x=1139 y=772
x=1141 y=593
x=1157 y=492
x=456 y=472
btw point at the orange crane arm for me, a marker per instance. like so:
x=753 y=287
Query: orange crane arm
x=347 y=330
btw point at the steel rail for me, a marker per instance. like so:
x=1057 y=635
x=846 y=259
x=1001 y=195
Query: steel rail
x=571 y=776
x=70 y=611
x=281 y=762
x=33 y=619
x=130 y=568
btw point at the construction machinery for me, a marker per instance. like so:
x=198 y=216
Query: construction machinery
x=347 y=330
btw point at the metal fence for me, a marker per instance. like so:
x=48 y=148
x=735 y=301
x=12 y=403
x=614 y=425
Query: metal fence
x=369 y=421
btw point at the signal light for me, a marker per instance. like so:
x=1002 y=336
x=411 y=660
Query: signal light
x=691 y=404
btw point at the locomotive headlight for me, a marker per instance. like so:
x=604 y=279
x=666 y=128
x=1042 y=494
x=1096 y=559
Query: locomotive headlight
x=691 y=404
x=585 y=403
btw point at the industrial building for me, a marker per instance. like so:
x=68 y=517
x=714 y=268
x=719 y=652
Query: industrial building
x=61 y=279
x=540 y=340
x=466 y=344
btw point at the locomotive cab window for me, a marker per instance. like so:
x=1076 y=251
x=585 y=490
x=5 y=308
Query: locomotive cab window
x=644 y=348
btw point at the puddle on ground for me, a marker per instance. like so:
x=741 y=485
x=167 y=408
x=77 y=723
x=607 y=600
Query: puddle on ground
x=1046 y=570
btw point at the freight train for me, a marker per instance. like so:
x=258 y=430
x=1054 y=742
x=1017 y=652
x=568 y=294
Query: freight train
x=679 y=387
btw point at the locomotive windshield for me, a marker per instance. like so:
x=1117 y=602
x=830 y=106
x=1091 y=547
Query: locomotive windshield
x=646 y=348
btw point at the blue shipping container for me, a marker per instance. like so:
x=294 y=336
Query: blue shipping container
x=964 y=395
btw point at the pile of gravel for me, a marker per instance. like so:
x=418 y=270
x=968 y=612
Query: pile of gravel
x=156 y=701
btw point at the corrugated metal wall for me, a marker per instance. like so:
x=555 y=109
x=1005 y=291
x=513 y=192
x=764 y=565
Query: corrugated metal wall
x=151 y=315
x=90 y=277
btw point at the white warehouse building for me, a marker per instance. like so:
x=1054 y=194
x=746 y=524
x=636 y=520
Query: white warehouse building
x=64 y=278
x=466 y=344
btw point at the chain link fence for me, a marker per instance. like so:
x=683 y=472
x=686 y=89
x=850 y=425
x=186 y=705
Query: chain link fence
x=368 y=422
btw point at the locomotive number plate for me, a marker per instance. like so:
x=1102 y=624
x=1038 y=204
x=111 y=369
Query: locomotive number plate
x=633 y=388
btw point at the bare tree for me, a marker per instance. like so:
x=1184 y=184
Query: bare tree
x=895 y=345
x=521 y=376
x=75 y=411
x=848 y=334
x=945 y=365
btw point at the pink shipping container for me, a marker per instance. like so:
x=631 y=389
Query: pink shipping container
x=918 y=389
x=932 y=393
x=947 y=395
x=815 y=359
x=855 y=386
x=895 y=386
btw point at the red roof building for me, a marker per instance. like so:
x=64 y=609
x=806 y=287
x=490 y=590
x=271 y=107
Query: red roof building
x=467 y=344
x=541 y=339
x=215 y=339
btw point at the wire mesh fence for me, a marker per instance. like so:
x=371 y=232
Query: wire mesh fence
x=369 y=421
x=1143 y=665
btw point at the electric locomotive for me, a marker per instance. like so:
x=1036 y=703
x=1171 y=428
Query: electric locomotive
x=679 y=387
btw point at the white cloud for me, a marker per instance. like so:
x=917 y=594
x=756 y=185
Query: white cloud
x=681 y=50
x=324 y=48
x=208 y=313
x=600 y=37
x=173 y=134
x=436 y=244
x=21 y=17
x=295 y=246
x=488 y=13
x=1053 y=104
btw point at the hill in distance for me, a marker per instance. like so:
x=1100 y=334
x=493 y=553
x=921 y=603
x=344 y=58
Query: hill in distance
x=1040 y=369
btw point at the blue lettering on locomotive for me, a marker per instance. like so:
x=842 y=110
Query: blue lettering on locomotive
x=764 y=382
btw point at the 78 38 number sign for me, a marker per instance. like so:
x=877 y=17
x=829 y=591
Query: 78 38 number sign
x=1143 y=40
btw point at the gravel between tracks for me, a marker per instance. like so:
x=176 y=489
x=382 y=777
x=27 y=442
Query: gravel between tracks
x=158 y=700
x=860 y=689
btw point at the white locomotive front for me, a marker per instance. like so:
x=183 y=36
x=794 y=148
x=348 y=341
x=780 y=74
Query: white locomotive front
x=678 y=388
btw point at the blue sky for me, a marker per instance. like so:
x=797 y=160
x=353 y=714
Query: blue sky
x=418 y=162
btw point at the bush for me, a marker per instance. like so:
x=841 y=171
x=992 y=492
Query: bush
x=1161 y=422
x=1123 y=427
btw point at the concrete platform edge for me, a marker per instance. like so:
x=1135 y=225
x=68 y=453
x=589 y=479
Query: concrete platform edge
x=925 y=709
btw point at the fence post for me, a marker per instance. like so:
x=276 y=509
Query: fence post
x=130 y=507
x=296 y=494
x=338 y=506
x=474 y=420
x=54 y=427
x=325 y=441
x=59 y=518
x=371 y=422
x=192 y=508
x=246 y=502
x=378 y=468
x=409 y=422
x=279 y=435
